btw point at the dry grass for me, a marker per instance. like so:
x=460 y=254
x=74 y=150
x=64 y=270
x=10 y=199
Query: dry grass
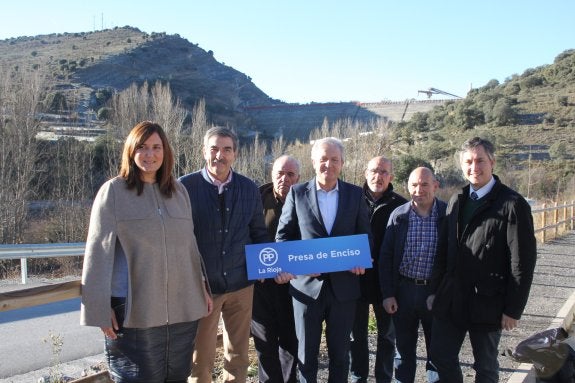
x=219 y=362
x=253 y=368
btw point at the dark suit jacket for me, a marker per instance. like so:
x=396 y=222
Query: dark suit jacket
x=485 y=269
x=301 y=219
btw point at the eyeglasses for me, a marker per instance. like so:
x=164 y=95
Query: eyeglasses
x=381 y=172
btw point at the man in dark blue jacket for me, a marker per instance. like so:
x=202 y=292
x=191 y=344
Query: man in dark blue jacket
x=484 y=267
x=406 y=264
x=227 y=212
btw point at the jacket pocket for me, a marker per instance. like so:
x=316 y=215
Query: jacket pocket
x=486 y=305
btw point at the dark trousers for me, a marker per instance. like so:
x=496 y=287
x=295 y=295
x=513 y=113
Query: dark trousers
x=445 y=346
x=273 y=331
x=309 y=317
x=411 y=311
x=359 y=350
x=150 y=355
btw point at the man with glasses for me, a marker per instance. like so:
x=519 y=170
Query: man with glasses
x=381 y=200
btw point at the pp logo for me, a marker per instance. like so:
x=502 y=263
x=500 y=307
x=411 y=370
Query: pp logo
x=268 y=256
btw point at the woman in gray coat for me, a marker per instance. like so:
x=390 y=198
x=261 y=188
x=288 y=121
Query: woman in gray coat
x=143 y=280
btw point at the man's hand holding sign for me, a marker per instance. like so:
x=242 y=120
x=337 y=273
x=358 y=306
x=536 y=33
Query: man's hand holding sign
x=325 y=227
x=284 y=260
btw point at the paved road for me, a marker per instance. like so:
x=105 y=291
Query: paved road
x=25 y=334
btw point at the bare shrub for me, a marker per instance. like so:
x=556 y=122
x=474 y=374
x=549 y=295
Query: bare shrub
x=20 y=95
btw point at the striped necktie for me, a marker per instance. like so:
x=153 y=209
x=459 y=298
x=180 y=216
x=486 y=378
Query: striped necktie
x=474 y=196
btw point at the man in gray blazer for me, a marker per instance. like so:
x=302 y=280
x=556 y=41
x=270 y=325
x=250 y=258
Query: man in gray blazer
x=324 y=207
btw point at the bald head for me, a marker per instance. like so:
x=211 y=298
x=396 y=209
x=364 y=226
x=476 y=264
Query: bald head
x=422 y=186
x=378 y=175
x=285 y=173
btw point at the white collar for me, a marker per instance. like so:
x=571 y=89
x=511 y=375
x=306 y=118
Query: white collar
x=481 y=192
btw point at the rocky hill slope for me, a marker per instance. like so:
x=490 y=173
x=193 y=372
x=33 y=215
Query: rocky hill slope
x=82 y=64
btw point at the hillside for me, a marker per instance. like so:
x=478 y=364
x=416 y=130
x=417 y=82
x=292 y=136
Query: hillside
x=82 y=63
x=530 y=117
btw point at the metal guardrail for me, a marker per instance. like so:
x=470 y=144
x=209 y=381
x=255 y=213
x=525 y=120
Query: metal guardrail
x=46 y=250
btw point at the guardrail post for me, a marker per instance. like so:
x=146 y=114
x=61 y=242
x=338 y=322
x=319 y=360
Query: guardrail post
x=543 y=222
x=555 y=218
x=24 y=270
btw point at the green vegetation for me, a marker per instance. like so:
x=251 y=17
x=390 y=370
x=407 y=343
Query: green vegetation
x=530 y=117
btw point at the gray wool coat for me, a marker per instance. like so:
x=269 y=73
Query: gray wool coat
x=165 y=271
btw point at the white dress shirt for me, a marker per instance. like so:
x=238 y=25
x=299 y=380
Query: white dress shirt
x=481 y=192
x=327 y=202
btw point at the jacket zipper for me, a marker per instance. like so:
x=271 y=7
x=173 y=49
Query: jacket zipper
x=163 y=236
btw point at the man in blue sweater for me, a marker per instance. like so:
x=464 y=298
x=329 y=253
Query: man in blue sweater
x=228 y=214
x=405 y=267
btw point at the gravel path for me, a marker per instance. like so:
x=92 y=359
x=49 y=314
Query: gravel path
x=553 y=284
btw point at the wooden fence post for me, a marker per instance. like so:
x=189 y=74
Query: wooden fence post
x=572 y=220
x=555 y=219
x=565 y=220
x=543 y=222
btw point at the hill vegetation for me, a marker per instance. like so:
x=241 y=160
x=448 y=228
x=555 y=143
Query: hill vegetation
x=87 y=68
x=110 y=80
x=530 y=117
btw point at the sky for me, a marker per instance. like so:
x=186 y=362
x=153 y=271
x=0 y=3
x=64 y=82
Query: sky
x=305 y=51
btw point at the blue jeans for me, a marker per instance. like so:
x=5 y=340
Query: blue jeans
x=359 y=351
x=411 y=311
x=445 y=346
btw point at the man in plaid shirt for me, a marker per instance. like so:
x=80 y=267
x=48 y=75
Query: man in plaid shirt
x=406 y=263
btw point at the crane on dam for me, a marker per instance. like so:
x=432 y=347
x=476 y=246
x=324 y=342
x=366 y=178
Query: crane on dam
x=431 y=91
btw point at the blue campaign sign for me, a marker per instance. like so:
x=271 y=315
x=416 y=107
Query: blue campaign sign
x=309 y=256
